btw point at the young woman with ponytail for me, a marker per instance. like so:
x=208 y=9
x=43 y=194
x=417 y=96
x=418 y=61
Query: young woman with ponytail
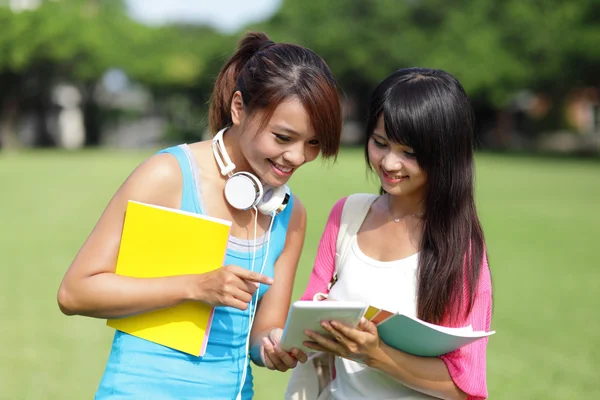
x=276 y=106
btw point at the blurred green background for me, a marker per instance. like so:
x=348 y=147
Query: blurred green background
x=88 y=89
x=130 y=73
x=540 y=216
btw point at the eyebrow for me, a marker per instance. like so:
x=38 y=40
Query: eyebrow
x=381 y=135
x=281 y=128
x=285 y=130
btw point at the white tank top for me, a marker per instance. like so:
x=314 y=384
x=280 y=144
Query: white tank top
x=389 y=285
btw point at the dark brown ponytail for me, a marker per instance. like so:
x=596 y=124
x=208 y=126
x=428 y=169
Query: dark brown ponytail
x=219 y=113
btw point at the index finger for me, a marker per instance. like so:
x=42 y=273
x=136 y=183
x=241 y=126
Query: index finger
x=288 y=359
x=252 y=276
x=351 y=333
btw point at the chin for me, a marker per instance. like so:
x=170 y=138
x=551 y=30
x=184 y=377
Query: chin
x=276 y=181
x=268 y=178
x=396 y=190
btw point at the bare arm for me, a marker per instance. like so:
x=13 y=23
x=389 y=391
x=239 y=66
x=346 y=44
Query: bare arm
x=274 y=305
x=425 y=374
x=91 y=288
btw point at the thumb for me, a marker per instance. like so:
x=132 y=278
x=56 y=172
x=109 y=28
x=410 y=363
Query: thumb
x=275 y=335
x=367 y=326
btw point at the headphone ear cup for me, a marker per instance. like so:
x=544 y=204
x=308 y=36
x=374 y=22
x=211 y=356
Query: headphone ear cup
x=243 y=191
x=274 y=199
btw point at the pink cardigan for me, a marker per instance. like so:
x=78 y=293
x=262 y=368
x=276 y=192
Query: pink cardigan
x=467 y=366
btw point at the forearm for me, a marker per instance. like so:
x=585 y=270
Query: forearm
x=425 y=374
x=108 y=295
x=255 y=347
x=256 y=339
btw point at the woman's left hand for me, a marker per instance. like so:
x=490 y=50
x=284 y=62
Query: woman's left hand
x=274 y=357
x=361 y=343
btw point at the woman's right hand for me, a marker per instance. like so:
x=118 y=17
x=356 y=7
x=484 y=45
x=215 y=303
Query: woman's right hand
x=230 y=286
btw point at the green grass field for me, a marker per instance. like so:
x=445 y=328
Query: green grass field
x=542 y=223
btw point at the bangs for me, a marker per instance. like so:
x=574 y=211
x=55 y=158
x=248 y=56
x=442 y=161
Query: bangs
x=409 y=116
x=423 y=114
x=320 y=102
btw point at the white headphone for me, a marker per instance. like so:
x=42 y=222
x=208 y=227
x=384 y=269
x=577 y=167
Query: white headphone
x=243 y=190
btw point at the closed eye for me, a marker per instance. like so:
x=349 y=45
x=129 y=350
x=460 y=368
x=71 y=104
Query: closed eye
x=282 y=138
x=379 y=144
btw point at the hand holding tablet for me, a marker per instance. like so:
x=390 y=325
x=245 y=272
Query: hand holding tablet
x=305 y=315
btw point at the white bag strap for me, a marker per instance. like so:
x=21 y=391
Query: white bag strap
x=354 y=212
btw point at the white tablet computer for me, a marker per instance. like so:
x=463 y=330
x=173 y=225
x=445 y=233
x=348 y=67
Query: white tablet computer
x=309 y=314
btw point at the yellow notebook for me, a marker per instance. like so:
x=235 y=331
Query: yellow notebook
x=157 y=242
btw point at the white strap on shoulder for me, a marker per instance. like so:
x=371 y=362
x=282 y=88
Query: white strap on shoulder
x=353 y=214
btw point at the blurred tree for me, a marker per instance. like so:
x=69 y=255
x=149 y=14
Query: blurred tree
x=77 y=41
x=494 y=48
x=187 y=59
x=70 y=41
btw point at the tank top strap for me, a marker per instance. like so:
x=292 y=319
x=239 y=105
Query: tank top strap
x=190 y=199
x=278 y=232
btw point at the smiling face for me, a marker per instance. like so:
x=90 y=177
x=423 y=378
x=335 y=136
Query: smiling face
x=396 y=165
x=285 y=143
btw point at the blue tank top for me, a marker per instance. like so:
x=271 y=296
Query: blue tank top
x=139 y=369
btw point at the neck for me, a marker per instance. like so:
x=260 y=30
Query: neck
x=401 y=206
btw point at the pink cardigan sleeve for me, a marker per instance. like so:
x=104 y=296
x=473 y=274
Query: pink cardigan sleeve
x=467 y=365
x=325 y=261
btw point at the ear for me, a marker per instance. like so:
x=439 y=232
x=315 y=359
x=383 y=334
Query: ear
x=237 y=108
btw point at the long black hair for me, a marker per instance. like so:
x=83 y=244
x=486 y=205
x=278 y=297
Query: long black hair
x=428 y=110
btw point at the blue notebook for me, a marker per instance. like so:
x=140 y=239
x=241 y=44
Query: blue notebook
x=420 y=338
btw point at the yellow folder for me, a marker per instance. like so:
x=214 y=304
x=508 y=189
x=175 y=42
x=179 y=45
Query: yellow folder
x=157 y=242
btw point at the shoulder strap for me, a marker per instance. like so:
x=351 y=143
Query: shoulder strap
x=189 y=193
x=195 y=170
x=354 y=212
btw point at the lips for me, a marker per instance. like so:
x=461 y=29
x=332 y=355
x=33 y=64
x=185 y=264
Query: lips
x=281 y=169
x=393 y=178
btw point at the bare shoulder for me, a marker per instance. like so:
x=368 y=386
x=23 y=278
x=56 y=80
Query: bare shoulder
x=157 y=180
x=160 y=168
x=298 y=217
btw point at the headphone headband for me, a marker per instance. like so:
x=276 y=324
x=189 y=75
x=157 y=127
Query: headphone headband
x=218 y=147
